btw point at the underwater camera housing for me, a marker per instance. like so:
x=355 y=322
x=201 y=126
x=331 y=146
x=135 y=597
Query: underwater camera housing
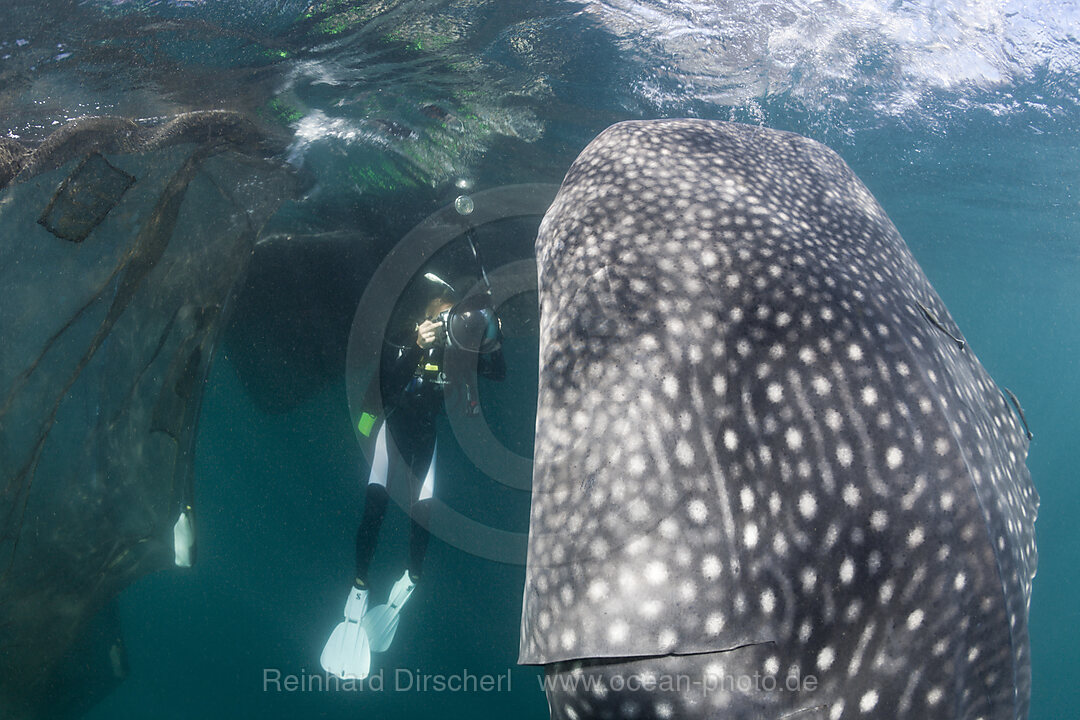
x=472 y=325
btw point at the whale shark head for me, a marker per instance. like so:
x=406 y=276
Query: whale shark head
x=758 y=424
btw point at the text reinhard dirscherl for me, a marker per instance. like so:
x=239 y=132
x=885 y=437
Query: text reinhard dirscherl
x=400 y=680
x=409 y=680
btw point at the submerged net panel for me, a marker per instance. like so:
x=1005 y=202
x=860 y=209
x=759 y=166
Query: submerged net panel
x=106 y=345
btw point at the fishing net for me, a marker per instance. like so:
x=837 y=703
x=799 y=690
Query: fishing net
x=120 y=243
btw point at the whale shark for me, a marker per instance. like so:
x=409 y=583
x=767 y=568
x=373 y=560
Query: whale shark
x=771 y=478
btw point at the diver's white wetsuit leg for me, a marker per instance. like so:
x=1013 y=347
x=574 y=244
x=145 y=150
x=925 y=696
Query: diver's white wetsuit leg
x=380 y=464
x=427 y=490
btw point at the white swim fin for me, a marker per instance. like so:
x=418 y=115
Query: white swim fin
x=347 y=653
x=184 y=539
x=381 y=621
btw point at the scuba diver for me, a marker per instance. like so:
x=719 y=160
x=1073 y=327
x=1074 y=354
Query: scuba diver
x=417 y=378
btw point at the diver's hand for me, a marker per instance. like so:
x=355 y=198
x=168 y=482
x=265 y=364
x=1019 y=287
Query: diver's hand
x=428 y=333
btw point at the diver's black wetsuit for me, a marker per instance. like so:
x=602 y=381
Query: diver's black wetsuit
x=415 y=385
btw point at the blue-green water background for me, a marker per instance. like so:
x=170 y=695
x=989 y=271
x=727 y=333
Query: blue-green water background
x=981 y=178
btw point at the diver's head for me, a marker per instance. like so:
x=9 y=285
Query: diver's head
x=441 y=296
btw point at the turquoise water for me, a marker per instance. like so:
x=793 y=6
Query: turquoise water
x=975 y=155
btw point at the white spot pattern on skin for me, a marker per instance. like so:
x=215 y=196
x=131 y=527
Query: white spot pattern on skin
x=731 y=440
x=746 y=499
x=698 y=511
x=825 y=658
x=775 y=392
x=851 y=495
x=893 y=457
x=879 y=520
x=655 y=573
x=833 y=420
x=825 y=464
x=844 y=455
x=598 y=590
x=618 y=631
x=847 y=571
x=750 y=535
x=793 y=438
x=714 y=623
x=684 y=454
